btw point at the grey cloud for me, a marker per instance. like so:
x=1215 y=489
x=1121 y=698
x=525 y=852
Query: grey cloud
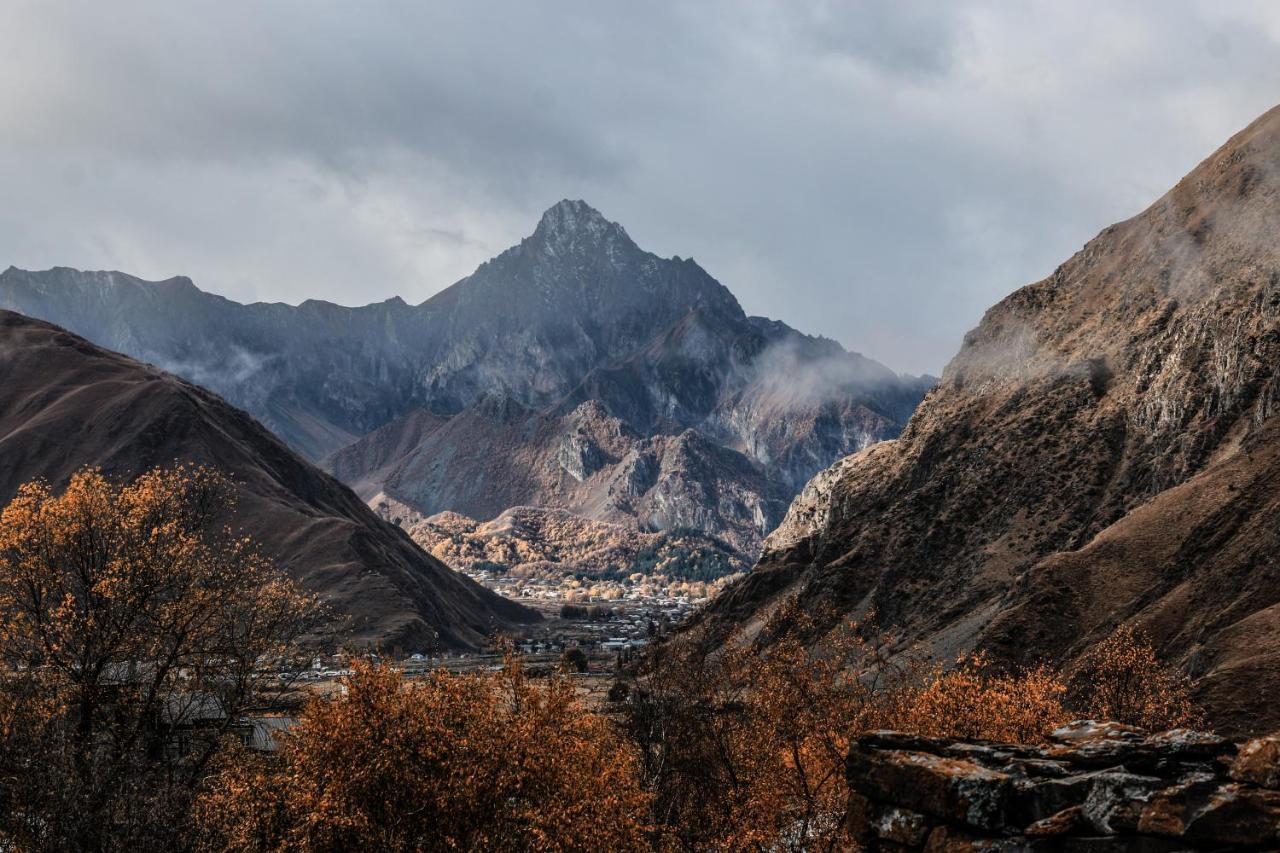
x=877 y=172
x=908 y=37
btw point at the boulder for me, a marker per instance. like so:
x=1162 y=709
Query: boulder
x=1170 y=811
x=1258 y=762
x=1036 y=798
x=1189 y=744
x=1116 y=800
x=944 y=788
x=1225 y=816
x=1173 y=791
x=1093 y=731
x=1069 y=821
x=946 y=839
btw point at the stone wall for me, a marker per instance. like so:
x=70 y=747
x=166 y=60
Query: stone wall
x=1094 y=787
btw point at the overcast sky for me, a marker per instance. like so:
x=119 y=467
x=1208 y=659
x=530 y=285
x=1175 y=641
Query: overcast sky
x=878 y=172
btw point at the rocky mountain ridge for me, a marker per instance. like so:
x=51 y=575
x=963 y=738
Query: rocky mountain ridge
x=499 y=454
x=1104 y=450
x=574 y=314
x=533 y=541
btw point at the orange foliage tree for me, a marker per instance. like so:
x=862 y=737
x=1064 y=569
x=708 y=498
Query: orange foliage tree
x=744 y=746
x=481 y=761
x=745 y=749
x=133 y=629
x=1123 y=679
x=972 y=699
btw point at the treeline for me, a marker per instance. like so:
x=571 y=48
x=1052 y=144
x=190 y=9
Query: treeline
x=587 y=613
x=138 y=631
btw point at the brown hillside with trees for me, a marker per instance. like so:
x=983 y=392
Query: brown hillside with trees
x=1103 y=452
x=140 y=635
x=66 y=403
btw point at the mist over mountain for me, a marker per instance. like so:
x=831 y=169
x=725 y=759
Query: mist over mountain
x=1104 y=451
x=66 y=403
x=703 y=403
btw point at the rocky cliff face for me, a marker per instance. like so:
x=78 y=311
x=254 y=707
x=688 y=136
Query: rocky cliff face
x=1103 y=450
x=1096 y=786
x=65 y=404
x=575 y=314
x=532 y=541
x=499 y=454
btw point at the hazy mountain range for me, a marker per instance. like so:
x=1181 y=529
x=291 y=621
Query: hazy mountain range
x=573 y=371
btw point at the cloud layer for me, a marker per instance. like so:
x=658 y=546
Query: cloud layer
x=878 y=172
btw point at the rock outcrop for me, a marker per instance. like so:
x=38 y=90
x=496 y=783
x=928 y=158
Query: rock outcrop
x=1103 y=451
x=530 y=541
x=1095 y=787
x=499 y=454
x=66 y=404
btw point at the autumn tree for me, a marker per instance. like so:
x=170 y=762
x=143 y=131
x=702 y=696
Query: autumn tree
x=482 y=761
x=573 y=659
x=973 y=699
x=745 y=748
x=1123 y=679
x=135 y=629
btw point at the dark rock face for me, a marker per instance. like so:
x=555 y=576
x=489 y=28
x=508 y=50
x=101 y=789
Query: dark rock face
x=65 y=404
x=1104 y=450
x=1170 y=791
x=935 y=785
x=574 y=314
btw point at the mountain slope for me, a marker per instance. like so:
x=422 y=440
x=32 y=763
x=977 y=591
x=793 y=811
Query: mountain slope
x=65 y=403
x=1103 y=450
x=575 y=313
x=498 y=454
x=532 y=541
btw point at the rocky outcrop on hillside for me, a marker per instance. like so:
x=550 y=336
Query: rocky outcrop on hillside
x=66 y=404
x=499 y=454
x=575 y=314
x=1095 y=787
x=533 y=541
x=1103 y=451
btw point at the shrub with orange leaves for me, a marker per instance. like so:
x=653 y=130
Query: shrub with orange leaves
x=481 y=761
x=128 y=612
x=974 y=700
x=1123 y=679
x=745 y=748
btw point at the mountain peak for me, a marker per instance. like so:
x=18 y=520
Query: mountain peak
x=573 y=224
x=571 y=213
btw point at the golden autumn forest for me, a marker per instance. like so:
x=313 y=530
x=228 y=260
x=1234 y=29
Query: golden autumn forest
x=145 y=641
